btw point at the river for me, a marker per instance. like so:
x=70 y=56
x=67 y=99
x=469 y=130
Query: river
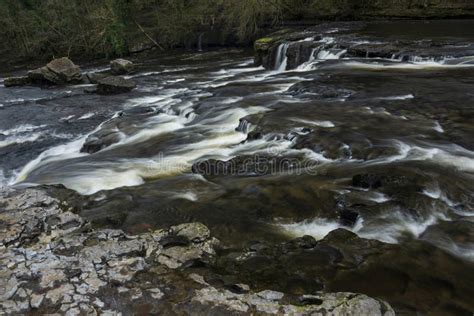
x=380 y=145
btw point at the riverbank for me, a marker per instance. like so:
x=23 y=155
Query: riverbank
x=130 y=27
x=53 y=261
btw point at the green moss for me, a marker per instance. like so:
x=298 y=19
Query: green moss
x=264 y=40
x=263 y=43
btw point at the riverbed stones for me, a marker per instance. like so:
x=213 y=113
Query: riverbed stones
x=115 y=85
x=121 y=66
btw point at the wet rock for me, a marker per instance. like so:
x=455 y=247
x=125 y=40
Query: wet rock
x=298 y=53
x=17 y=81
x=263 y=48
x=246 y=165
x=371 y=50
x=100 y=140
x=115 y=85
x=375 y=181
x=121 y=66
x=348 y=217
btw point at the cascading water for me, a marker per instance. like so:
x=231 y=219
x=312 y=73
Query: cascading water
x=281 y=59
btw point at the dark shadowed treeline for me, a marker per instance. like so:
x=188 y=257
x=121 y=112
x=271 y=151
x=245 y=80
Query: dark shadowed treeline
x=98 y=28
x=116 y=27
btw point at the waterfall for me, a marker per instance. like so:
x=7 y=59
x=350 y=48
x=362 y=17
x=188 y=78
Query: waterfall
x=331 y=54
x=308 y=65
x=281 y=58
x=244 y=126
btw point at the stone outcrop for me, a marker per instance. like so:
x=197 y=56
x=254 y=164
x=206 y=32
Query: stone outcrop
x=115 y=85
x=52 y=261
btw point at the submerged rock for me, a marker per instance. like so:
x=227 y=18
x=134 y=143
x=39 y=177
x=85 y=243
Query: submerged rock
x=100 y=140
x=115 y=85
x=121 y=66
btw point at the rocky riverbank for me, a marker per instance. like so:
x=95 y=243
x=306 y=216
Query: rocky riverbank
x=53 y=261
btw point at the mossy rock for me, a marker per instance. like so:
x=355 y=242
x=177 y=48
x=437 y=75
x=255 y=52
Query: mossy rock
x=264 y=43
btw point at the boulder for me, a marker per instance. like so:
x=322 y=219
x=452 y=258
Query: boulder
x=121 y=66
x=58 y=71
x=17 y=81
x=115 y=85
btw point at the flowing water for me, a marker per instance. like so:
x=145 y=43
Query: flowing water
x=408 y=117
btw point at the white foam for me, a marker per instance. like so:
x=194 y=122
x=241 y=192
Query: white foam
x=449 y=156
x=331 y=54
x=190 y=196
x=318 y=228
x=102 y=179
x=87 y=116
x=437 y=127
x=21 y=129
x=399 y=97
x=19 y=139
x=434 y=192
x=61 y=152
x=378 y=197
x=67 y=118
x=396 y=226
x=326 y=124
